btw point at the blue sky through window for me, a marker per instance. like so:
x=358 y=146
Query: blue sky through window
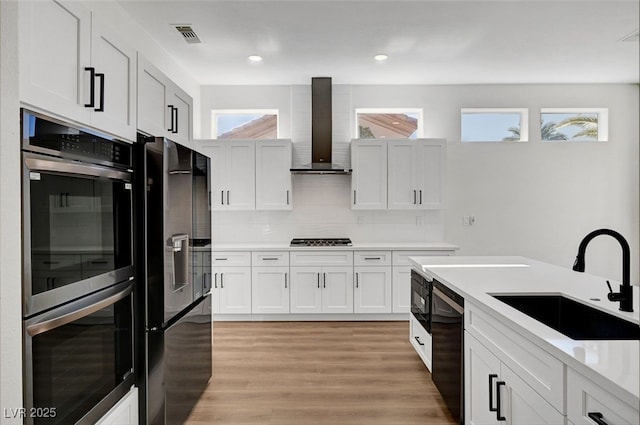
x=487 y=127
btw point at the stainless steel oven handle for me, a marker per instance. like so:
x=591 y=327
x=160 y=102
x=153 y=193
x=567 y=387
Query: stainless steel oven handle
x=36 y=163
x=70 y=314
x=454 y=305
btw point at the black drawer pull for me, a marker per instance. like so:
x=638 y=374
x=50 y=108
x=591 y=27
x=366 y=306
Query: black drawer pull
x=597 y=418
x=92 y=87
x=417 y=338
x=491 y=378
x=270 y=259
x=101 y=107
x=372 y=258
x=498 y=414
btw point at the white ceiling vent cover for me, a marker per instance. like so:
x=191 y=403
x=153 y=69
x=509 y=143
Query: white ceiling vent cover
x=188 y=34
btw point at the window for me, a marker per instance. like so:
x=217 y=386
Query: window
x=573 y=125
x=244 y=124
x=494 y=125
x=394 y=123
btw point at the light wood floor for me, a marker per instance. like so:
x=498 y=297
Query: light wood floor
x=317 y=373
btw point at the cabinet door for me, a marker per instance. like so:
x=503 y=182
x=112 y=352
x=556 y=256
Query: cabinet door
x=153 y=94
x=401 y=284
x=481 y=374
x=181 y=115
x=337 y=289
x=403 y=178
x=216 y=152
x=240 y=175
x=234 y=285
x=369 y=178
x=429 y=166
x=372 y=293
x=116 y=93
x=306 y=292
x=273 y=175
x=55 y=48
x=124 y=412
x=522 y=405
x=270 y=290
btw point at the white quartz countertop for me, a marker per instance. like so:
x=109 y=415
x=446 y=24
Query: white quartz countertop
x=613 y=364
x=383 y=246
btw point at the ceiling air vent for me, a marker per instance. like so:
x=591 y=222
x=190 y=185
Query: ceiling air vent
x=188 y=34
x=634 y=36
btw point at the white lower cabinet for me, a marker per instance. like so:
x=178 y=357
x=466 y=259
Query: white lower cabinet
x=231 y=290
x=421 y=341
x=125 y=412
x=401 y=288
x=372 y=292
x=494 y=394
x=327 y=289
x=270 y=290
x=588 y=402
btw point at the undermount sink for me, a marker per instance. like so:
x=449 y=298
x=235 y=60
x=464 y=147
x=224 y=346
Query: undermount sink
x=576 y=320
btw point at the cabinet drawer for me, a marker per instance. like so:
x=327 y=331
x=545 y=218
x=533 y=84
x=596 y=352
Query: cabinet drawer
x=322 y=258
x=372 y=258
x=543 y=372
x=231 y=258
x=585 y=396
x=270 y=258
x=401 y=258
x=421 y=341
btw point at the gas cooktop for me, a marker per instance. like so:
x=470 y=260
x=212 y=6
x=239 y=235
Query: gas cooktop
x=321 y=242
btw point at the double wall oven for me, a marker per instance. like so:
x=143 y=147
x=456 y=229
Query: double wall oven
x=78 y=288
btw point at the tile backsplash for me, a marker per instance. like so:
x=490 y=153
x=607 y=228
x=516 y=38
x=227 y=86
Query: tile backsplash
x=321 y=208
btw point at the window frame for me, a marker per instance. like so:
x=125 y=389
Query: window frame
x=248 y=111
x=603 y=122
x=418 y=111
x=524 y=122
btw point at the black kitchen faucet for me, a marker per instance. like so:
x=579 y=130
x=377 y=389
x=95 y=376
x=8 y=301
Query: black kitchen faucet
x=625 y=296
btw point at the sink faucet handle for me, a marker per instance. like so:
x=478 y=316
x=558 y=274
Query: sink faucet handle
x=609 y=285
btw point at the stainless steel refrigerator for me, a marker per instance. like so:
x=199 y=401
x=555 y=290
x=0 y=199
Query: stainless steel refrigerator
x=174 y=315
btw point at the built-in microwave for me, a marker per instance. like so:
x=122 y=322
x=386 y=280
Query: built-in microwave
x=421 y=291
x=77 y=212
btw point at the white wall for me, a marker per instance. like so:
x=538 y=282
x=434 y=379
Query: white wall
x=533 y=199
x=10 y=252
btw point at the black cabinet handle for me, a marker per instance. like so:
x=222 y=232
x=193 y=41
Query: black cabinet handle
x=414 y=198
x=597 y=418
x=287 y=197
x=215 y=281
x=101 y=108
x=171 y=128
x=372 y=258
x=222 y=197
x=285 y=281
x=354 y=197
x=222 y=283
x=498 y=413
x=66 y=199
x=318 y=280
x=175 y=126
x=92 y=87
x=357 y=281
x=491 y=378
x=324 y=280
x=228 y=203
x=420 y=196
x=417 y=338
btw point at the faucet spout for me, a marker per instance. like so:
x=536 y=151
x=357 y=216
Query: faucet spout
x=625 y=296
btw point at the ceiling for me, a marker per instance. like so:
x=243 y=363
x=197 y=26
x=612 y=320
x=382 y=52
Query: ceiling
x=428 y=42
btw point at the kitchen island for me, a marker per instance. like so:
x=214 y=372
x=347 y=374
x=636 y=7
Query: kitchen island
x=548 y=376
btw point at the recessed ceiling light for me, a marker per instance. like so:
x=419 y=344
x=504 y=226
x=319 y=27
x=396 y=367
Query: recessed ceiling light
x=255 y=58
x=381 y=57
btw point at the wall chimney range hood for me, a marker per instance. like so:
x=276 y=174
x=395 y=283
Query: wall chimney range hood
x=321 y=129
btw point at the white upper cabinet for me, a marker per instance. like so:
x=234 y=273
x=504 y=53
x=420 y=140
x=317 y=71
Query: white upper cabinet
x=273 y=178
x=415 y=173
x=369 y=178
x=115 y=91
x=164 y=110
x=397 y=174
x=73 y=66
x=232 y=173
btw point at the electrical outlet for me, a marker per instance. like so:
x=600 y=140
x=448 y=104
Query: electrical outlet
x=468 y=220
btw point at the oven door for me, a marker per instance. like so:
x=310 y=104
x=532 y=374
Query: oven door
x=421 y=300
x=79 y=358
x=77 y=224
